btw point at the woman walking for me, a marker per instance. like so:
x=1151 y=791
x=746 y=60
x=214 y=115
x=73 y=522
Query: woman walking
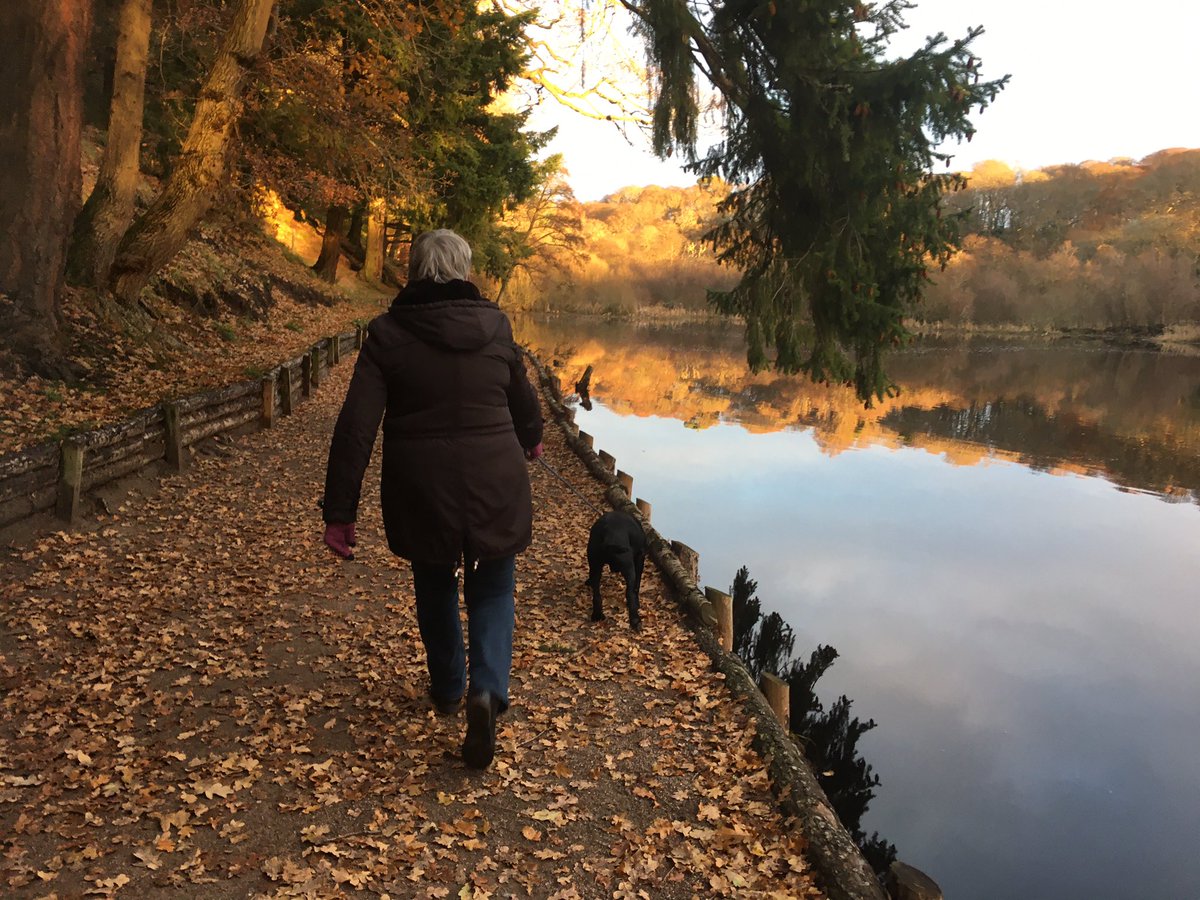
x=460 y=417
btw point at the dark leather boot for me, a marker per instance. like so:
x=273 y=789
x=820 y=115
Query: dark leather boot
x=479 y=746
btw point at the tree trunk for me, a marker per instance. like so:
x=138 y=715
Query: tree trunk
x=41 y=99
x=159 y=234
x=373 y=263
x=354 y=234
x=109 y=210
x=331 y=244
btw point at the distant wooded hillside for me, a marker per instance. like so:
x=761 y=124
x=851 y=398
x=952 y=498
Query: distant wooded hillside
x=636 y=251
x=1096 y=245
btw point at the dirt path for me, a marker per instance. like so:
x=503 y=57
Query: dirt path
x=197 y=700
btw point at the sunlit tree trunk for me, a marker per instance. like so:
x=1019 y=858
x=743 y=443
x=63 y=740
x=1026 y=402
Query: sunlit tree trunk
x=109 y=210
x=373 y=264
x=331 y=244
x=41 y=118
x=159 y=234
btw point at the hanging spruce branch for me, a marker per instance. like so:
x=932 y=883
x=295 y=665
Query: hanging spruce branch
x=835 y=219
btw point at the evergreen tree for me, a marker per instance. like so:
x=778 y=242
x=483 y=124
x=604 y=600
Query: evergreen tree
x=747 y=610
x=835 y=218
x=830 y=739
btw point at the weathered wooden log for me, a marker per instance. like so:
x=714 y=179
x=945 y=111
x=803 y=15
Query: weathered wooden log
x=904 y=882
x=30 y=459
x=118 y=441
x=642 y=505
x=131 y=446
x=191 y=404
x=587 y=440
x=205 y=414
x=176 y=452
x=608 y=460
x=229 y=422
x=29 y=482
x=119 y=432
x=723 y=604
x=70 y=481
x=25 y=505
x=98 y=476
x=267 y=415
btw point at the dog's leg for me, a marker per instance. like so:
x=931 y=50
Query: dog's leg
x=633 y=590
x=595 y=569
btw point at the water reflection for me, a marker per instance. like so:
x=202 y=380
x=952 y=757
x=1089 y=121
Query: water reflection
x=1024 y=640
x=1132 y=415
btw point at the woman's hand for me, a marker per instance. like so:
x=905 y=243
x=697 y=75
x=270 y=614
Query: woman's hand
x=340 y=538
x=534 y=452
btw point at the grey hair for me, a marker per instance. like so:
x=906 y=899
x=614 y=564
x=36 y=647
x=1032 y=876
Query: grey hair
x=441 y=255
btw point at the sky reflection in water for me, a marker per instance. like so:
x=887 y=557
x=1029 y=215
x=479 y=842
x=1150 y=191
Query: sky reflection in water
x=1026 y=641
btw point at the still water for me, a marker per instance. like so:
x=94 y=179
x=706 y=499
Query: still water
x=1007 y=557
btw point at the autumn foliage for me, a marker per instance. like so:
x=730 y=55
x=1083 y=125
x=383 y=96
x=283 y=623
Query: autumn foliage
x=1096 y=245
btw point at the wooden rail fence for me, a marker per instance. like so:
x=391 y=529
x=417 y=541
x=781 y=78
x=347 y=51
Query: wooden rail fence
x=56 y=475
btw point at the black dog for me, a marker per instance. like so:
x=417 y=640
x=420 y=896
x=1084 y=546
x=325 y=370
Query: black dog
x=617 y=540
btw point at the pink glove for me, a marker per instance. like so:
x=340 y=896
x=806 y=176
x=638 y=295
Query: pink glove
x=534 y=452
x=340 y=538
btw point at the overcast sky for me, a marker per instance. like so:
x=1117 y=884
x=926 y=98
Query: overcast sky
x=1089 y=81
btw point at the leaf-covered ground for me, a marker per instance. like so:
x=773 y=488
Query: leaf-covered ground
x=129 y=359
x=198 y=700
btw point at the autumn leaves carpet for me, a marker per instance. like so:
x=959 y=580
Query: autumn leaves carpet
x=198 y=700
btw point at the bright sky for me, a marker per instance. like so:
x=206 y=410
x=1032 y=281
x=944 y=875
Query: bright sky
x=1089 y=81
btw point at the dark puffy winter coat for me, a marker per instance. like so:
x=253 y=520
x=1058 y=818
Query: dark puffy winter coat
x=442 y=370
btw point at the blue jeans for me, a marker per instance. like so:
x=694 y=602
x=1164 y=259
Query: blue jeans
x=488 y=589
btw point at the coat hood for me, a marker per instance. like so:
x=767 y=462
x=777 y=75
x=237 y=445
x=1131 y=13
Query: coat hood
x=452 y=314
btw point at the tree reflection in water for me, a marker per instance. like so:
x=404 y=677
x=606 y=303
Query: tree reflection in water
x=829 y=738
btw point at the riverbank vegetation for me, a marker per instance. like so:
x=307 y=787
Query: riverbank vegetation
x=1111 y=245
x=1102 y=249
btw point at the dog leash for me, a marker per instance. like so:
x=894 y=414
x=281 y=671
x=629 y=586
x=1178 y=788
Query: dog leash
x=549 y=468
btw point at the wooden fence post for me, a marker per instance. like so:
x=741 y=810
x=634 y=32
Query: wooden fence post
x=723 y=604
x=176 y=453
x=285 y=390
x=306 y=376
x=688 y=558
x=644 y=508
x=586 y=439
x=608 y=460
x=777 y=691
x=905 y=882
x=360 y=335
x=625 y=480
x=334 y=351
x=70 y=480
x=314 y=367
x=267 y=419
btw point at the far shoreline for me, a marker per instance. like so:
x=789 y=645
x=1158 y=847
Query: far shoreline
x=1173 y=338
